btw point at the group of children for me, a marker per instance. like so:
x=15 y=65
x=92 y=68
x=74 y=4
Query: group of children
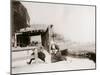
x=55 y=54
x=39 y=53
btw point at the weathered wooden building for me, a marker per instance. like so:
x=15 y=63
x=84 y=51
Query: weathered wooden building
x=22 y=38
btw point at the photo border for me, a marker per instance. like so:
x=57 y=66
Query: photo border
x=11 y=20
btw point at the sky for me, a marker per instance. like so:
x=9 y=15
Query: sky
x=74 y=22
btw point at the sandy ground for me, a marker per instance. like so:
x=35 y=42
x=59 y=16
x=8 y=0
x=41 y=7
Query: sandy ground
x=19 y=64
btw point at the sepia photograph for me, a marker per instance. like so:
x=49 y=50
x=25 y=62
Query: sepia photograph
x=52 y=37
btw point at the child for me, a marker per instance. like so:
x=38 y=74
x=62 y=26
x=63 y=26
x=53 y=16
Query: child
x=41 y=55
x=32 y=58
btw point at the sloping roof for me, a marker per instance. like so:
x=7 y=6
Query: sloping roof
x=35 y=27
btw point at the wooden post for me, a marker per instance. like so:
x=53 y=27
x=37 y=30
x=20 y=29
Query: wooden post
x=49 y=30
x=15 y=39
x=36 y=55
x=15 y=42
x=50 y=34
